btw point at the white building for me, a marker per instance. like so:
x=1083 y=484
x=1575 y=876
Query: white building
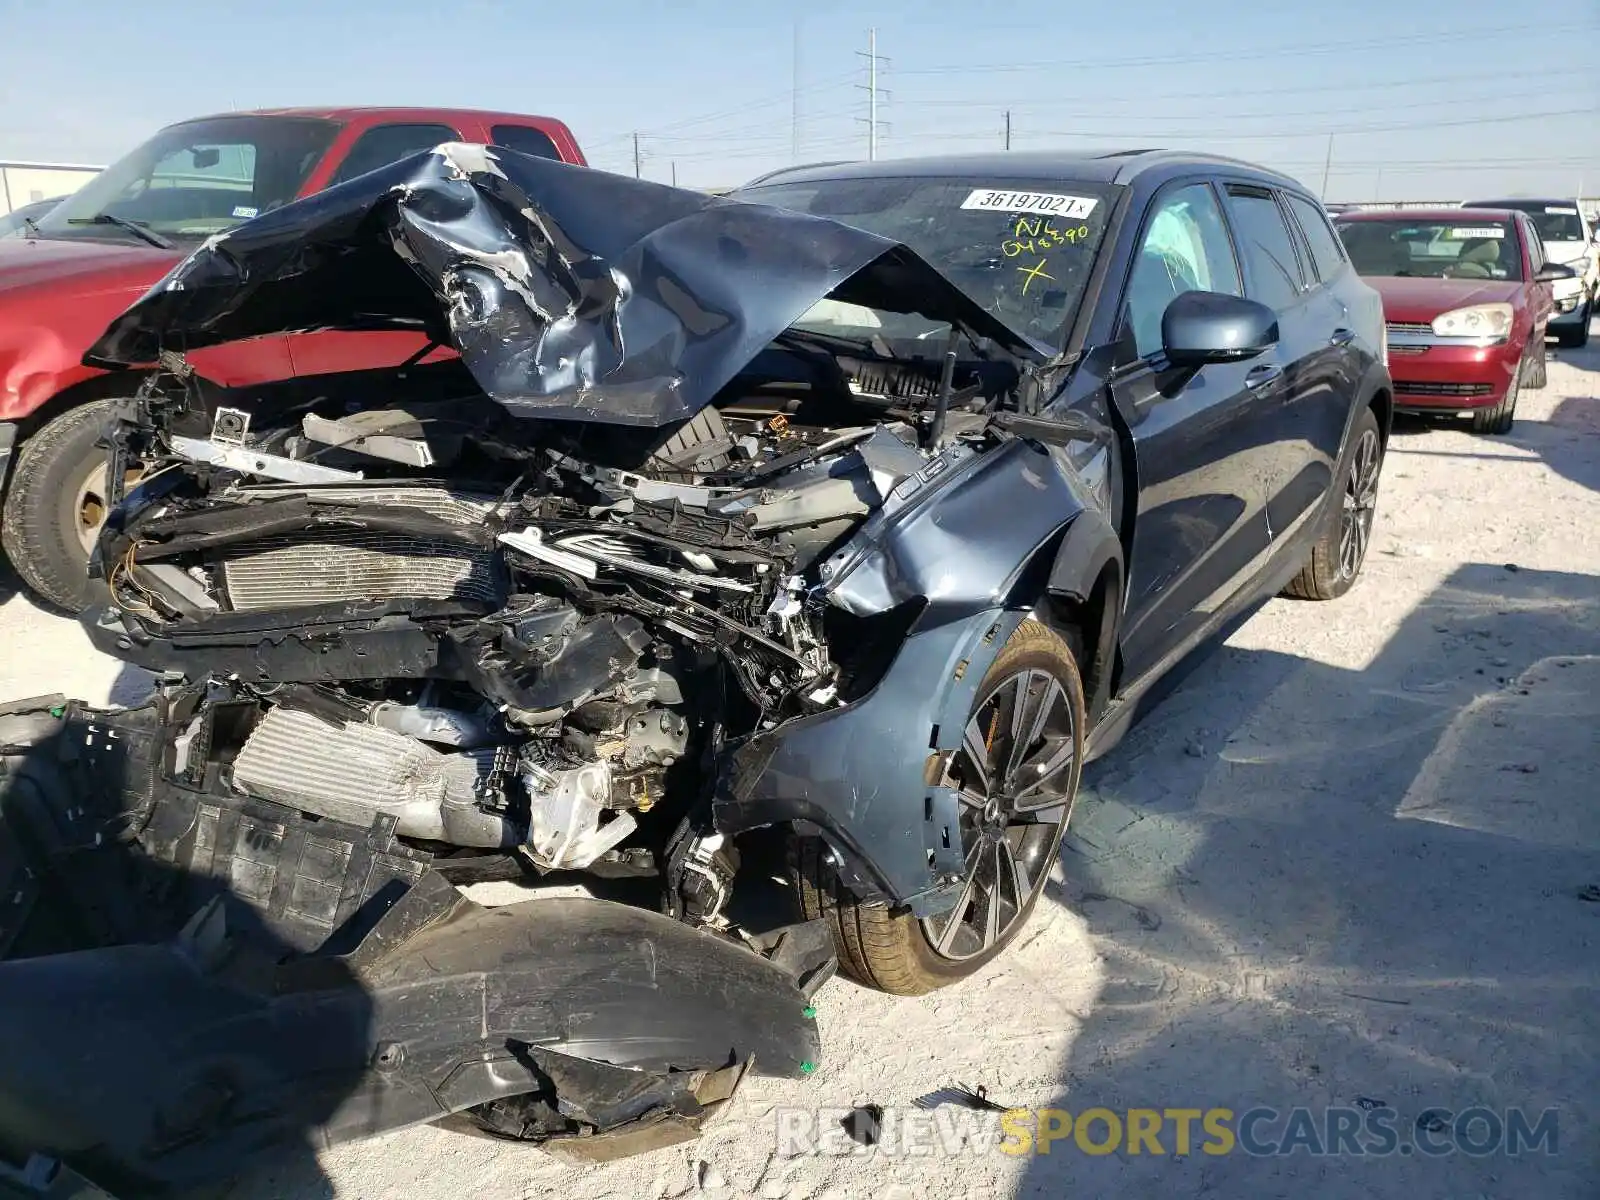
x=26 y=182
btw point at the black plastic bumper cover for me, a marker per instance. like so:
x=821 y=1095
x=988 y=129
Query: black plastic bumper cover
x=328 y=988
x=142 y=1069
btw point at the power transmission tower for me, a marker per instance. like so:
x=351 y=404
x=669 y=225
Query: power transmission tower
x=874 y=92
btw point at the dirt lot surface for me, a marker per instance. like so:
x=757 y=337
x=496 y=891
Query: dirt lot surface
x=1354 y=860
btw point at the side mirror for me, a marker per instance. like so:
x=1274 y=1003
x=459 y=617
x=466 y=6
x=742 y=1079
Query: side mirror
x=1208 y=327
x=205 y=156
x=1552 y=271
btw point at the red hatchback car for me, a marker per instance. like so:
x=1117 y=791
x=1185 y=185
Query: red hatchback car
x=1466 y=298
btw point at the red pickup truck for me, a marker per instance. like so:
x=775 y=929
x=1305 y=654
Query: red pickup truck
x=91 y=256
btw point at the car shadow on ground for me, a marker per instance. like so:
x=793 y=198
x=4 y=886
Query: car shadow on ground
x=1353 y=888
x=10 y=583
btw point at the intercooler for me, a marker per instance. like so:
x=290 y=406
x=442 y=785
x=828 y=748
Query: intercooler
x=357 y=773
x=330 y=566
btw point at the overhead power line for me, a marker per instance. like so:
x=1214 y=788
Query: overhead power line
x=784 y=97
x=1232 y=55
x=1146 y=95
x=1501 y=119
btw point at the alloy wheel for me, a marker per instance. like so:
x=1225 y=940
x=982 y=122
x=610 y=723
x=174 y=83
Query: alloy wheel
x=1013 y=777
x=1360 y=504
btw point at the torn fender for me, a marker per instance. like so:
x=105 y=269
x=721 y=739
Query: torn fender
x=864 y=773
x=571 y=293
x=861 y=773
x=146 y=1068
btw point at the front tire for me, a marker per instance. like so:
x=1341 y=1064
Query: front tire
x=56 y=504
x=1498 y=419
x=1017 y=775
x=1341 y=549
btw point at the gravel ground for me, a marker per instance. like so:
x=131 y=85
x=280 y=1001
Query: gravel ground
x=1351 y=859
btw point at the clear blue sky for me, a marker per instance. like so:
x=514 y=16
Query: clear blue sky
x=1427 y=99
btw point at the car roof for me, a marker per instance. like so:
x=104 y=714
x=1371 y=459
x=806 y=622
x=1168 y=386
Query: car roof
x=1426 y=214
x=1112 y=167
x=346 y=115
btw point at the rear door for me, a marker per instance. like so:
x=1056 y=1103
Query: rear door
x=1199 y=528
x=338 y=350
x=1329 y=376
x=1294 y=408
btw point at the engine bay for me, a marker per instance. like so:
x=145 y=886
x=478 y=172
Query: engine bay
x=534 y=639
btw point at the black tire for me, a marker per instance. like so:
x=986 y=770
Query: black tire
x=892 y=950
x=1335 y=561
x=1537 y=374
x=43 y=513
x=1578 y=336
x=1498 y=418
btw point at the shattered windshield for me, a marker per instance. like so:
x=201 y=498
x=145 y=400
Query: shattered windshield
x=195 y=179
x=1021 y=249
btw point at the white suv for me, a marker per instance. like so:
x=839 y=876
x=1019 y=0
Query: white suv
x=1569 y=237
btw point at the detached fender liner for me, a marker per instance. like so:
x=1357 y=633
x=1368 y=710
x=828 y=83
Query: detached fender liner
x=329 y=986
x=141 y=1068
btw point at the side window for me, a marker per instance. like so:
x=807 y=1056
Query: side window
x=1185 y=248
x=1267 y=247
x=526 y=139
x=384 y=144
x=1326 y=254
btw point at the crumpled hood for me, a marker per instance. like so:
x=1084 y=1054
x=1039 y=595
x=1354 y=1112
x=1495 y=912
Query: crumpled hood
x=570 y=293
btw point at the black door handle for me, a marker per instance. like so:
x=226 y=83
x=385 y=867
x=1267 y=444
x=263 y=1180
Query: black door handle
x=1343 y=337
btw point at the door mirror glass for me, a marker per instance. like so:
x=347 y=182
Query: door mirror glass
x=1207 y=327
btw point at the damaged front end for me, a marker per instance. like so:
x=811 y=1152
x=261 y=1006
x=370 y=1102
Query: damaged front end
x=659 y=575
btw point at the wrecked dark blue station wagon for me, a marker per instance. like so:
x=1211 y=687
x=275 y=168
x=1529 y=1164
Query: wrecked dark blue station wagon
x=769 y=563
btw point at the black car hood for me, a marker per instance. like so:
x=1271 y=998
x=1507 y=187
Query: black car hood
x=570 y=293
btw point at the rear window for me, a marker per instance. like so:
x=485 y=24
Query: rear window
x=526 y=140
x=1462 y=248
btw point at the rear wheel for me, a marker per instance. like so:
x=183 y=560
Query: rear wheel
x=1016 y=775
x=1337 y=557
x=56 y=503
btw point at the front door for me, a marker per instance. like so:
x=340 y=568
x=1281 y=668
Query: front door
x=1200 y=531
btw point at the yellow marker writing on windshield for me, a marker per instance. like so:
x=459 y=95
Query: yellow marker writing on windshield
x=1029 y=274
